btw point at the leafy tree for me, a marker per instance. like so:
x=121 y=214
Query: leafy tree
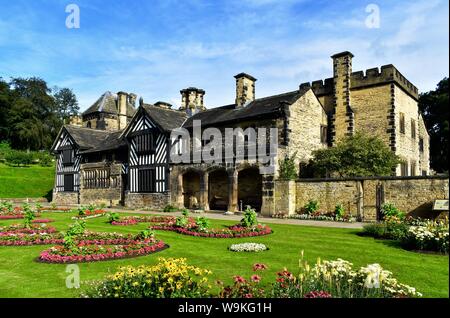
x=66 y=103
x=287 y=170
x=357 y=155
x=4 y=108
x=434 y=106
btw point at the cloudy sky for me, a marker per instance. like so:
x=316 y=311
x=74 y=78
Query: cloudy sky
x=156 y=48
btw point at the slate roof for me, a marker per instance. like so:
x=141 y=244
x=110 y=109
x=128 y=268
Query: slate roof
x=93 y=140
x=270 y=105
x=107 y=103
x=167 y=119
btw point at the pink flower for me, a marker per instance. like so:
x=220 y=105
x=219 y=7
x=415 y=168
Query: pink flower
x=256 y=278
x=239 y=279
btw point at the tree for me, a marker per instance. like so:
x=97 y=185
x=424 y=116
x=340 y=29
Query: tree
x=434 y=106
x=355 y=156
x=66 y=102
x=4 y=108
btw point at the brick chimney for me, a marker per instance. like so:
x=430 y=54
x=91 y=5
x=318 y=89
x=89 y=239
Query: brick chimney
x=245 y=89
x=342 y=119
x=122 y=99
x=192 y=100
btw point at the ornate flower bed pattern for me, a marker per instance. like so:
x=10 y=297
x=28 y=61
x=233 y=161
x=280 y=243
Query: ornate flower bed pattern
x=234 y=231
x=37 y=234
x=101 y=250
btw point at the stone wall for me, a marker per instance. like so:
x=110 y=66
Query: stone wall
x=65 y=198
x=407 y=147
x=305 y=121
x=413 y=195
x=147 y=200
x=285 y=197
x=110 y=195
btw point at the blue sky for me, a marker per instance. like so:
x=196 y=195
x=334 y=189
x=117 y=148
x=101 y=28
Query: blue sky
x=156 y=48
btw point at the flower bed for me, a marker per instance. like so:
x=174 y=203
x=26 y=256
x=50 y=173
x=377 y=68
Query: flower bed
x=316 y=216
x=248 y=247
x=18 y=235
x=231 y=232
x=88 y=214
x=132 y=220
x=14 y=216
x=91 y=252
x=432 y=236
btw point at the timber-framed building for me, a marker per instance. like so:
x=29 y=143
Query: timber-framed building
x=120 y=152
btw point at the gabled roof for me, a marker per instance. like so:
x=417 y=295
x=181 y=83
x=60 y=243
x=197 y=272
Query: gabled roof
x=92 y=140
x=107 y=103
x=270 y=105
x=166 y=119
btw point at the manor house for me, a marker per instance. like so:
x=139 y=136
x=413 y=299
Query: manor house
x=119 y=152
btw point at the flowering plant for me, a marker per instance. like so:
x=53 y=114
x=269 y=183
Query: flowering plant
x=243 y=288
x=169 y=278
x=431 y=236
x=248 y=247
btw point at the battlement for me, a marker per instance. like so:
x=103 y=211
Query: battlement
x=320 y=87
x=387 y=74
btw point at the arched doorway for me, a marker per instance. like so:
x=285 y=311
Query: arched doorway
x=250 y=188
x=218 y=190
x=191 y=190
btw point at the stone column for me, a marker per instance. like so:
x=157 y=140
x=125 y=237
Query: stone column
x=180 y=197
x=268 y=197
x=204 y=189
x=233 y=191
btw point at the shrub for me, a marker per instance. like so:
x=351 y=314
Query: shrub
x=145 y=234
x=202 y=223
x=113 y=217
x=169 y=278
x=43 y=158
x=311 y=207
x=18 y=157
x=288 y=170
x=376 y=230
x=339 y=211
x=250 y=217
x=432 y=236
x=389 y=210
x=29 y=215
x=391 y=230
x=170 y=208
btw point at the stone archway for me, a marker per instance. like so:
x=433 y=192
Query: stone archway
x=250 y=188
x=218 y=189
x=191 y=189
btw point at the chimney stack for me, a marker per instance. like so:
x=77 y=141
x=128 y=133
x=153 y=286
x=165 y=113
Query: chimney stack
x=122 y=100
x=192 y=100
x=342 y=121
x=163 y=105
x=245 y=89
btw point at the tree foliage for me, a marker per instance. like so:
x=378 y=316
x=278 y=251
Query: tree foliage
x=357 y=155
x=434 y=106
x=30 y=115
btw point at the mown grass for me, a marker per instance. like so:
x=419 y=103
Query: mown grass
x=22 y=276
x=26 y=182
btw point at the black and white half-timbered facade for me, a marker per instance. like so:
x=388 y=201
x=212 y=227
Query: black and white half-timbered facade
x=67 y=177
x=148 y=139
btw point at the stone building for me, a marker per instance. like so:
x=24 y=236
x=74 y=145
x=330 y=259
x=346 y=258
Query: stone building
x=122 y=155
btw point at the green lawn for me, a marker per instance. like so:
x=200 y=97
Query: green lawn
x=21 y=276
x=26 y=182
